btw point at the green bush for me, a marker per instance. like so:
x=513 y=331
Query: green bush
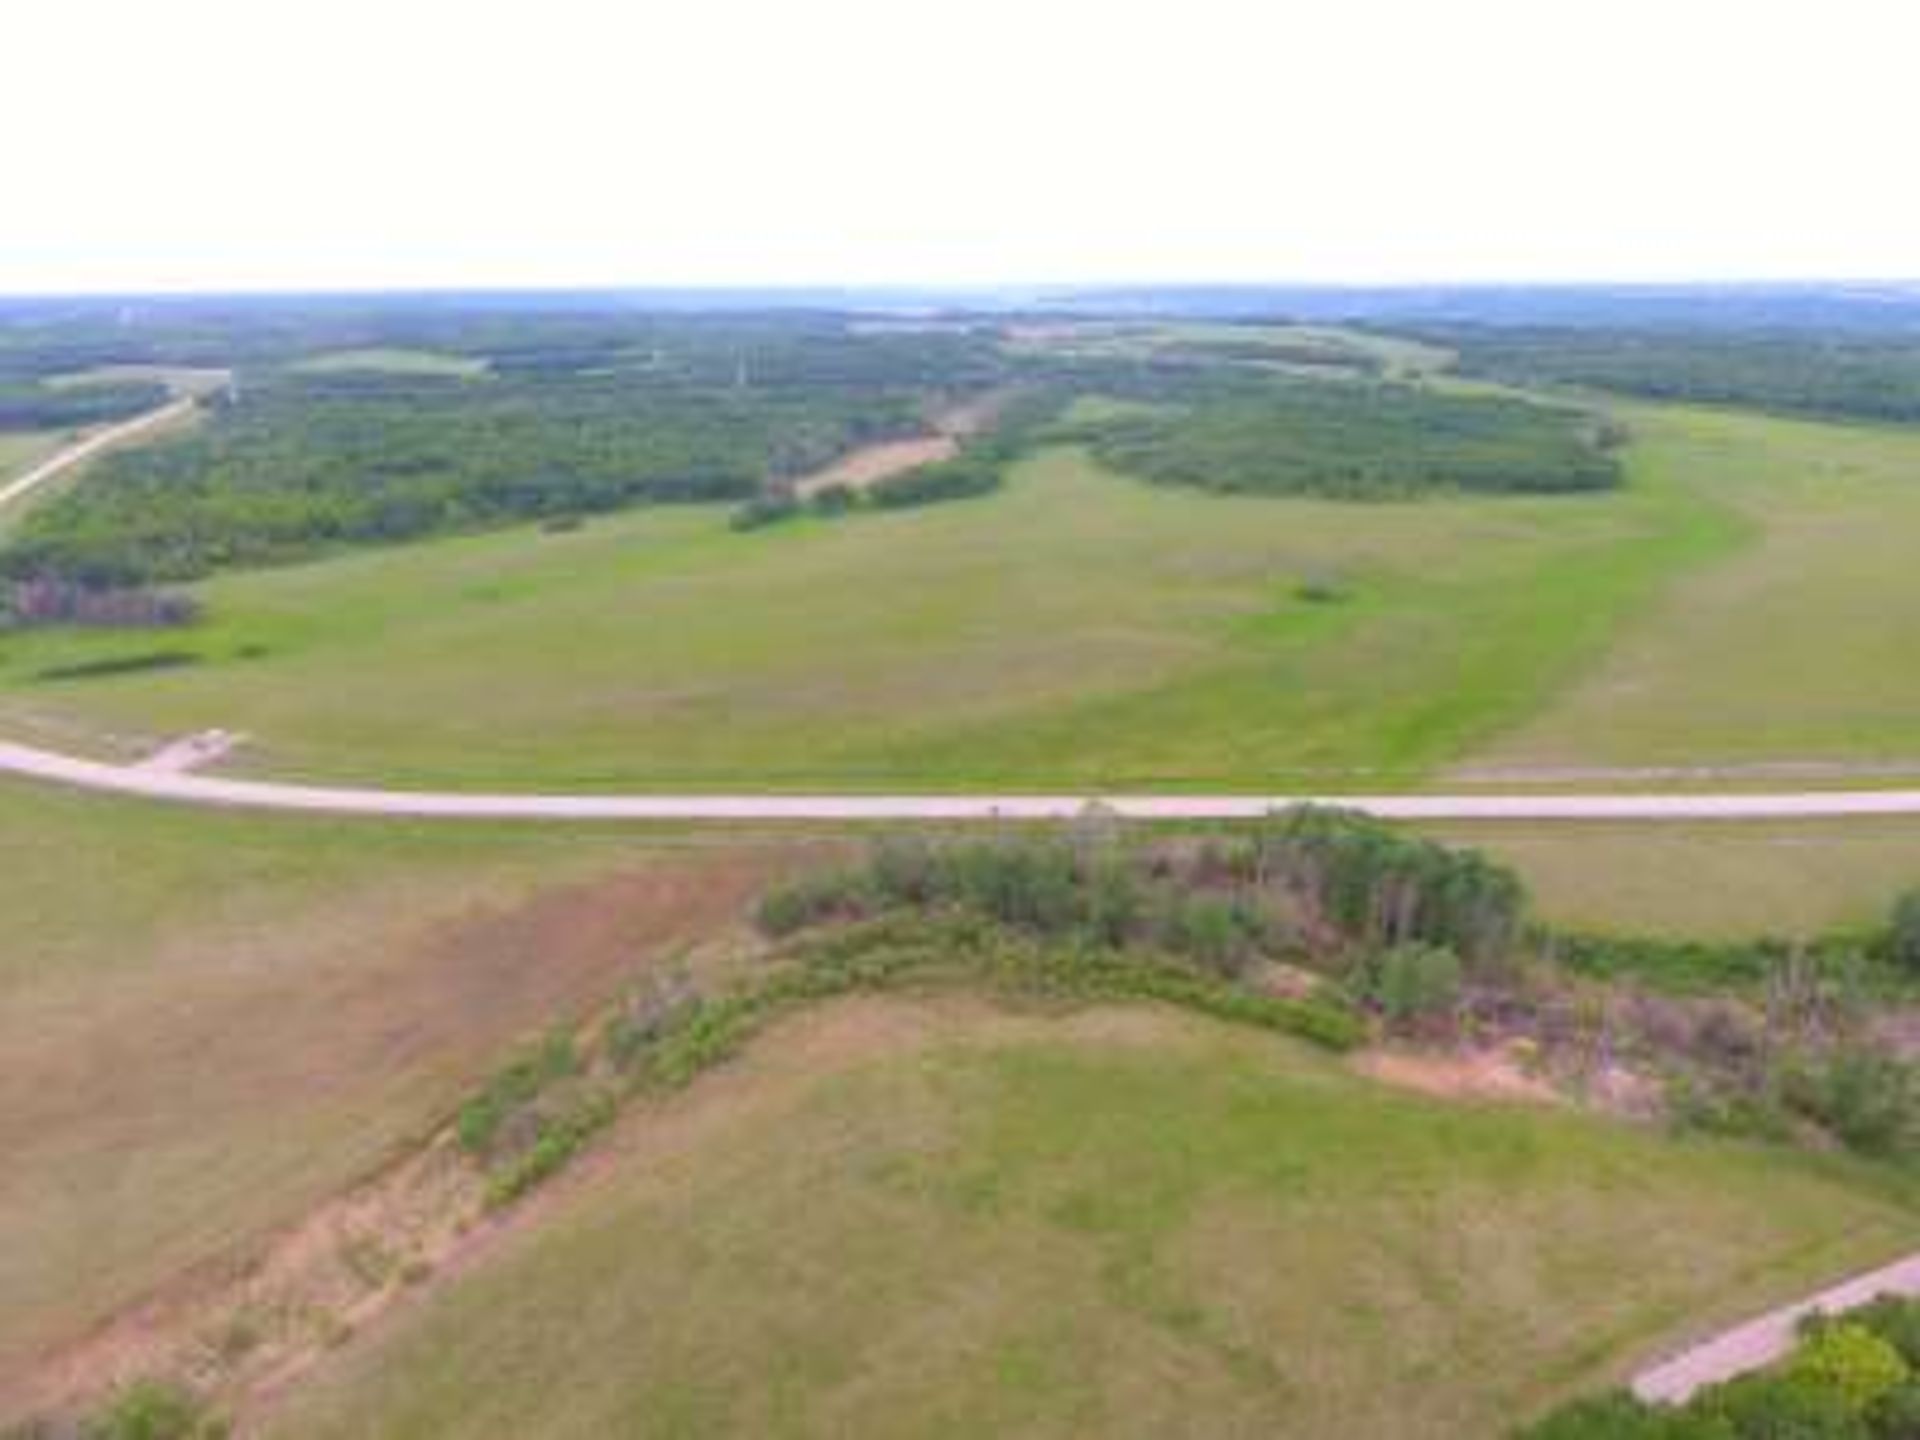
x=762 y=511
x=1779 y=1405
x=1894 y=1318
x=1903 y=939
x=1851 y=1362
x=1413 y=982
x=957 y=479
x=1379 y=887
x=1845 y=1381
x=812 y=900
x=155 y=1410
x=1867 y=1100
x=1617 y=1416
x=481 y=1117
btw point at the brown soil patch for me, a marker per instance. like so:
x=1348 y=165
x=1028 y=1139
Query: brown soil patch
x=1459 y=1075
x=871 y=464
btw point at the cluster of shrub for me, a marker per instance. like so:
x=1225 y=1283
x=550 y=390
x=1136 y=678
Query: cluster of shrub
x=42 y=602
x=1767 y=1039
x=1433 y=940
x=39 y=406
x=1838 y=373
x=1400 y=923
x=143 y=1409
x=1081 y=912
x=1854 y=1376
x=576 y=420
x=1362 y=441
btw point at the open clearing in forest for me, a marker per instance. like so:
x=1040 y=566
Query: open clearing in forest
x=392 y=361
x=943 y=1219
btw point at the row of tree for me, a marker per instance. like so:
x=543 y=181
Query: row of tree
x=1840 y=374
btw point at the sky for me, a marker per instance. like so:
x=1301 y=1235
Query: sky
x=322 y=144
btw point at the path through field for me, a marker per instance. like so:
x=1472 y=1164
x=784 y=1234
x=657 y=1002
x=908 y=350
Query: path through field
x=82 y=451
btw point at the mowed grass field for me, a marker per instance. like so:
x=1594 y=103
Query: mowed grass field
x=945 y=1221
x=1800 y=646
x=1710 y=880
x=210 y=1021
x=1078 y=630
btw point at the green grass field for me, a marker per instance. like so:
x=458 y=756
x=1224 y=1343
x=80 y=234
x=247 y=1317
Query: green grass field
x=1798 y=647
x=181 y=379
x=1709 y=881
x=209 y=1021
x=393 y=362
x=21 y=449
x=912 y=1221
x=1077 y=630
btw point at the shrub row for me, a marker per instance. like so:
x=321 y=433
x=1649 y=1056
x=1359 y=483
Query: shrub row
x=1852 y=1377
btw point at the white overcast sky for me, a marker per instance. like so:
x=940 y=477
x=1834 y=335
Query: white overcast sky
x=346 y=143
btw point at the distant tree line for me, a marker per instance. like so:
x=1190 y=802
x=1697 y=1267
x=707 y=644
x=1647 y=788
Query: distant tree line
x=1837 y=374
x=31 y=406
x=617 y=413
x=1361 y=441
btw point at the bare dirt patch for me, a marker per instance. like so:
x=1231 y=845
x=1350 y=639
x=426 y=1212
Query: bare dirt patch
x=871 y=464
x=1491 y=1074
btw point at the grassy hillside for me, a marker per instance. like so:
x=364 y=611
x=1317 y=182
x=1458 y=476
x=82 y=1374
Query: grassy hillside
x=1078 y=629
x=207 y=1021
x=938 y=1220
x=1798 y=648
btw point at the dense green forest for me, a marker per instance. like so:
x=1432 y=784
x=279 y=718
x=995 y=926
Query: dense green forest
x=1364 y=442
x=1871 y=377
x=27 y=406
x=572 y=418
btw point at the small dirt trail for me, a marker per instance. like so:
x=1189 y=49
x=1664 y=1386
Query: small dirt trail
x=82 y=451
x=1769 y=1337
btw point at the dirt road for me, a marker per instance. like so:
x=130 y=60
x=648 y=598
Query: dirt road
x=82 y=451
